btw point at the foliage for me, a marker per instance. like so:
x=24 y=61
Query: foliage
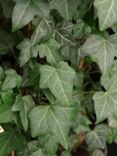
x=58 y=76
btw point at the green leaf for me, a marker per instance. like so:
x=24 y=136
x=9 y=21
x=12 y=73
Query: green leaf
x=38 y=153
x=53 y=119
x=49 y=143
x=49 y=50
x=66 y=8
x=12 y=80
x=24 y=105
x=42 y=32
x=24 y=11
x=59 y=80
x=98 y=153
x=103 y=50
x=105 y=102
x=9 y=141
x=7 y=5
x=96 y=139
x=81 y=29
x=63 y=33
x=107 y=11
x=6 y=115
x=27 y=51
x=7 y=42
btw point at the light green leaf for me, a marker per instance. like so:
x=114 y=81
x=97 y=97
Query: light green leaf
x=49 y=50
x=106 y=102
x=38 y=153
x=96 y=139
x=24 y=11
x=98 y=153
x=42 y=32
x=66 y=8
x=12 y=80
x=107 y=11
x=53 y=119
x=103 y=50
x=59 y=80
x=49 y=143
x=10 y=141
x=27 y=51
x=24 y=105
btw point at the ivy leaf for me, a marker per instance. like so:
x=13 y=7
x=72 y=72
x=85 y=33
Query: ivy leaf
x=24 y=11
x=38 y=152
x=96 y=139
x=102 y=50
x=107 y=12
x=105 y=102
x=12 y=80
x=59 y=80
x=7 y=42
x=27 y=51
x=49 y=50
x=49 y=143
x=81 y=29
x=53 y=119
x=6 y=115
x=63 y=33
x=42 y=32
x=66 y=8
x=10 y=141
x=98 y=153
x=24 y=105
x=7 y=5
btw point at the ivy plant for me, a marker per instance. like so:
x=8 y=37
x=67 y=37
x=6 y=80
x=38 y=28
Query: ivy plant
x=58 y=77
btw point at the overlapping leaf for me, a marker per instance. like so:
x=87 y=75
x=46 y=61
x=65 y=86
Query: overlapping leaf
x=42 y=32
x=66 y=8
x=24 y=11
x=27 y=51
x=50 y=51
x=59 y=80
x=23 y=105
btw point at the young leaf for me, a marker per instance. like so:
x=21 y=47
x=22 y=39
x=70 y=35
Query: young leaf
x=24 y=11
x=66 y=8
x=59 y=80
x=96 y=139
x=98 y=153
x=27 y=51
x=49 y=50
x=107 y=11
x=103 y=50
x=24 y=105
x=9 y=141
x=12 y=80
x=53 y=119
